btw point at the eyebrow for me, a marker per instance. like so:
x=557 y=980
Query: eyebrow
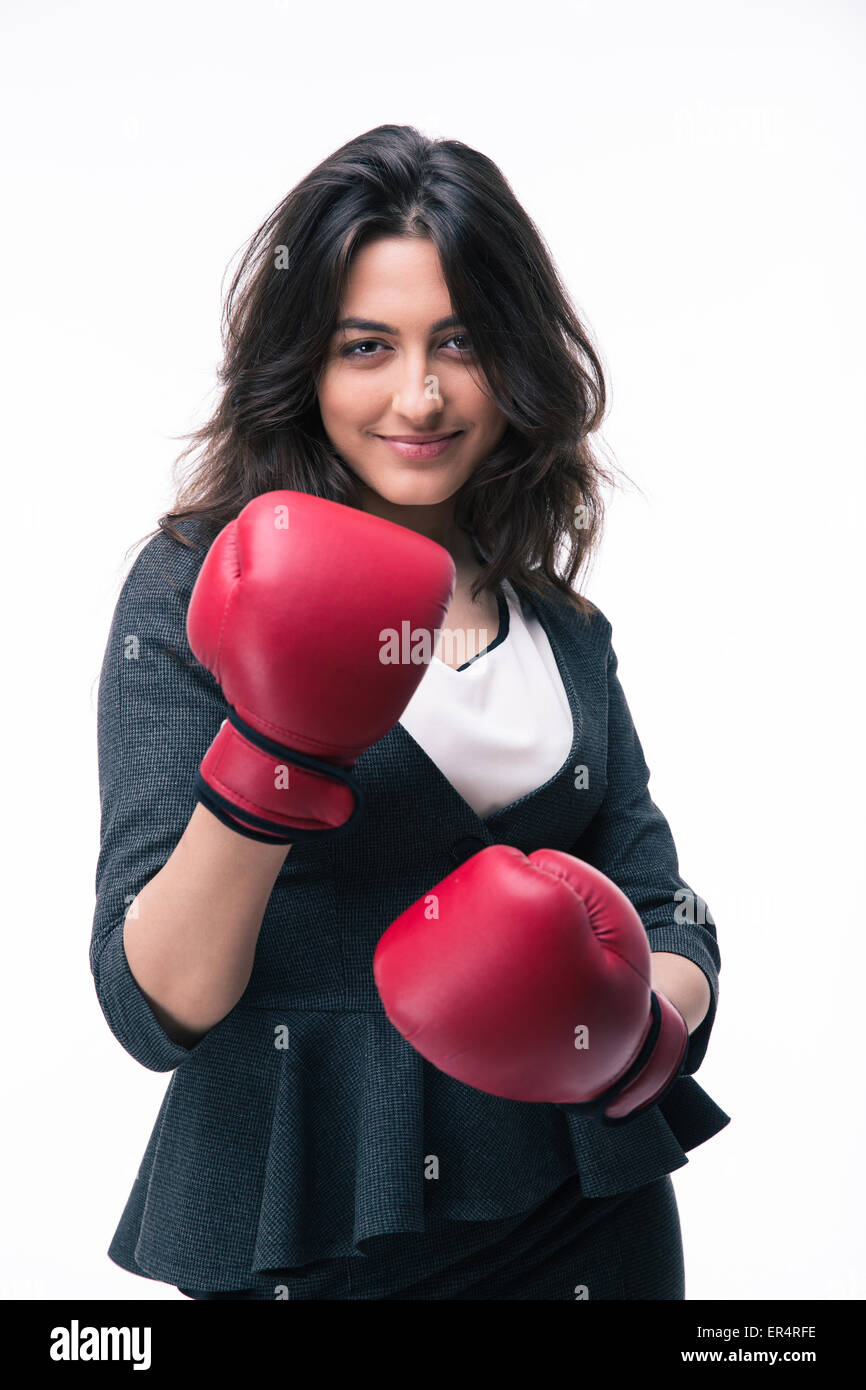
x=374 y=326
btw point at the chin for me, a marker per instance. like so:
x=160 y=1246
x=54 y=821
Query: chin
x=409 y=489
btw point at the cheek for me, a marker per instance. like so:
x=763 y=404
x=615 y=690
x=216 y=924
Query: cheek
x=492 y=421
x=341 y=397
x=485 y=412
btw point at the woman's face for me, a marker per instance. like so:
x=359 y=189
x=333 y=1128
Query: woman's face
x=400 y=371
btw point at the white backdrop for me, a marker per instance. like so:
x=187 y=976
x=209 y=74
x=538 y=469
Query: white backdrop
x=697 y=172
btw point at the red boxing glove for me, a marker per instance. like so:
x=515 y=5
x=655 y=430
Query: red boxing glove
x=291 y=612
x=529 y=977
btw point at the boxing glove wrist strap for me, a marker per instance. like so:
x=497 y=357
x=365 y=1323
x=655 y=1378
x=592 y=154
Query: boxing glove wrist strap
x=596 y=1107
x=238 y=818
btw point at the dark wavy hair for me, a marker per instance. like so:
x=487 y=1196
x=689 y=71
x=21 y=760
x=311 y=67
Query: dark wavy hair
x=534 y=503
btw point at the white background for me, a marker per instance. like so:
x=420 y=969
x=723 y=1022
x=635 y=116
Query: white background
x=696 y=170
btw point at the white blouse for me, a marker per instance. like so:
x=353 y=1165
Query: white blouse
x=500 y=725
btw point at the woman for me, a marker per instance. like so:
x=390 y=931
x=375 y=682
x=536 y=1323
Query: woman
x=304 y=1149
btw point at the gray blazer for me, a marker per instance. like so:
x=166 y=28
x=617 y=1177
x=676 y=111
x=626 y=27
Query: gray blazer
x=302 y=1123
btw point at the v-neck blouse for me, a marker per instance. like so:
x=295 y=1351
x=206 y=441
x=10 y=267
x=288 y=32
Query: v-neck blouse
x=500 y=725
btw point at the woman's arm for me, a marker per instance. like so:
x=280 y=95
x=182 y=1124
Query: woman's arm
x=180 y=897
x=630 y=840
x=684 y=984
x=190 y=934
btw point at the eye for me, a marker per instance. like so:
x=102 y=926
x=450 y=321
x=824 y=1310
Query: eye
x=352 y=349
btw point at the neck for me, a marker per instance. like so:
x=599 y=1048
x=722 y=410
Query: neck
x=436 y=522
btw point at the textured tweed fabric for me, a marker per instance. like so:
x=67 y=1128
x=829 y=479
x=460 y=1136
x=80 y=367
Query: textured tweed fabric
x=568 y=1248
x=302 y=1128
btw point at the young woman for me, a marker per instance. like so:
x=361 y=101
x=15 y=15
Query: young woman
x=397 y=342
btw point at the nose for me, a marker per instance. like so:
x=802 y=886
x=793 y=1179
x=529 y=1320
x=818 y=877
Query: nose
x=418 y=393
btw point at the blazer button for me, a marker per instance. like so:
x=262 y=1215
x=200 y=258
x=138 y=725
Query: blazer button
x=464 y=849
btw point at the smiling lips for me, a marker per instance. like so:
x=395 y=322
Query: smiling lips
x=419 y=446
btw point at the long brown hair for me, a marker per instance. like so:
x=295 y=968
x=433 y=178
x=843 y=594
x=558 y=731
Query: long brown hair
x=534 y=504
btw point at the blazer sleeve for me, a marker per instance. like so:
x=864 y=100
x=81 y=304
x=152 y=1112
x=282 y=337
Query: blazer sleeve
x=157 y=712
x=630 y=841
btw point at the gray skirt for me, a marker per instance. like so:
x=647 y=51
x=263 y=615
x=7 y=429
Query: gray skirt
x=570 y=1247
